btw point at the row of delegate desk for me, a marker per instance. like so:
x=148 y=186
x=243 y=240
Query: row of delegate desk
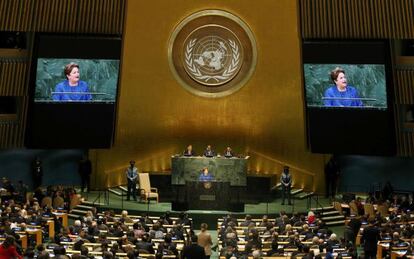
x=222 y=193
x=135 y=218
x=383 y=245
x=287 y=251
x=37 y=230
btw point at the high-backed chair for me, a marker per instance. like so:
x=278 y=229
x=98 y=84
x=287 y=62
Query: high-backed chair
x=383 y=210
x=146 y=191
x=337 y=206
x=75 y=201
x=369 y=209
x=58 y=202
x=353 y=208
x=46 y=202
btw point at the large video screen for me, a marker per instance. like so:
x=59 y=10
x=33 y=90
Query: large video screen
x=76 y=80
x=74 y=83
x=348 y=96
x=345 y=85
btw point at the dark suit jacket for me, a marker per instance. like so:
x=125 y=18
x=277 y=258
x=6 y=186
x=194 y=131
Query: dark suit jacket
x=187 y=153
x=370 y=238
x=145 y=246
x=349 y=234
x=193 y=251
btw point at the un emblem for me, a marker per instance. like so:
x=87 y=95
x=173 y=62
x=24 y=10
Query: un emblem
x=212 y=53
x=212 y=60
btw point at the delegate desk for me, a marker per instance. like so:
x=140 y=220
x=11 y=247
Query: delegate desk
x=232 y=170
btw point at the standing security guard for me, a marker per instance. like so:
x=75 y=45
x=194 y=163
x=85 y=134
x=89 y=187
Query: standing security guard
x=132 y=175
x=286 y=181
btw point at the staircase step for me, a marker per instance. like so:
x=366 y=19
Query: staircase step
x=74 y=216
x=89 y=203
x=305 y=195
x=322 y=208
x=295 y=191
x=330 y=218
x=335 y=223
x=84 y=207
x=75 y=211
x=115 y=191
x=276 y=187
x=330 y=213
x=123 y=188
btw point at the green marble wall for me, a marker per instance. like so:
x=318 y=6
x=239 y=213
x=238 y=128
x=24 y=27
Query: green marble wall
x=231 y=170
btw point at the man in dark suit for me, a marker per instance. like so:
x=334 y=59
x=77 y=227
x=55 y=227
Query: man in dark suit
x=85 y=171
x=193 y=251
x=209 y=152
x=370 y=237
x=331 y=176
x=37 y=173
x=145 y=244
x=286 y=181
x=355 y=225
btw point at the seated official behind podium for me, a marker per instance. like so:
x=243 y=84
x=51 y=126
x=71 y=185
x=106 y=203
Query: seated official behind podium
x=209 y=152
x=228 y=153
x=189 y=151
x=205 y=175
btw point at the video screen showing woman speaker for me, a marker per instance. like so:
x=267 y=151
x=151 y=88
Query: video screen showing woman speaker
x=345 y=85
x=76 y=80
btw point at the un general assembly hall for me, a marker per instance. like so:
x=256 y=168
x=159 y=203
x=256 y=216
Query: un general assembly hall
x=206 y=129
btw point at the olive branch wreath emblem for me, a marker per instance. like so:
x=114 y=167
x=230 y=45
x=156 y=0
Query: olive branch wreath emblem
x=195 y=71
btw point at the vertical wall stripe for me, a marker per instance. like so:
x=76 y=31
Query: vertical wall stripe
x=86 y=16
x=357 y=19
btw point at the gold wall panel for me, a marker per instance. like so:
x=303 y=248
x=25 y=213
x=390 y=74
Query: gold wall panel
x=13 y=76
x=80 y=16
x=14 y=65
x=404 y=95
x=357 y=19
x=157 y=117
x=66 y=16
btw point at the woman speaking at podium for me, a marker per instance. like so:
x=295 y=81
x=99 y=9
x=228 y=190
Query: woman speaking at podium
x=72 y=89
x=341 y=94
x=205 y=175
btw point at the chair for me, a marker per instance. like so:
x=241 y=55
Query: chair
x=146 y=191
x=58 y=202
x=46 y=202
x=353 y=208
x=383 y=210
x=75 y=201
x=337 y=206
x=369 y=209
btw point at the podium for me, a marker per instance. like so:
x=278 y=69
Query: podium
x=207 y=195
x=212 y=195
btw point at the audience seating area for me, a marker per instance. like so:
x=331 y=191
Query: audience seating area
x=42 y=229
x=282 y=237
